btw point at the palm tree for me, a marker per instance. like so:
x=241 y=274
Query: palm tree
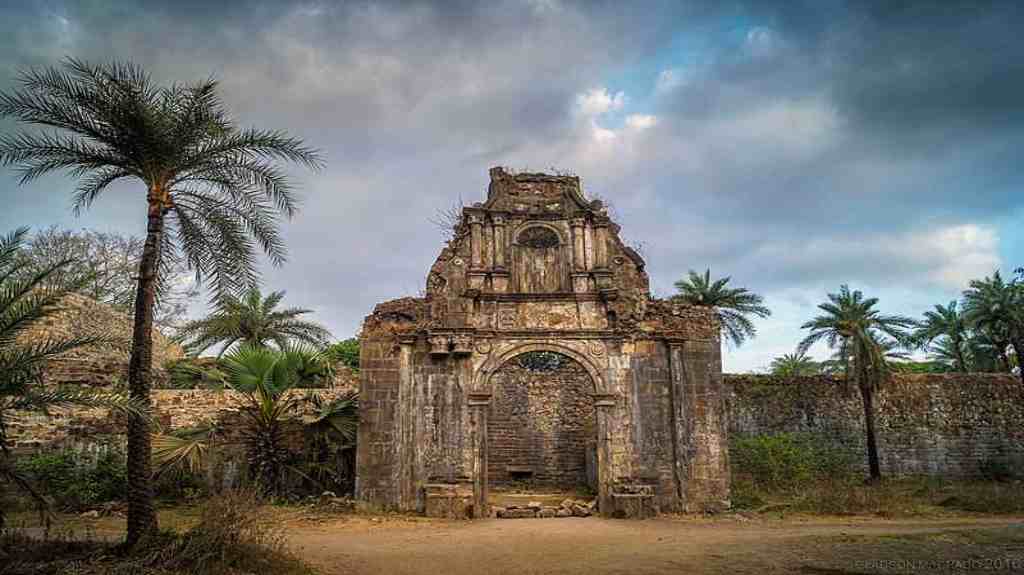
x=851 y=325
x=26 y=299
x=797 y=363
x=733 y=305
x=251 y=320
x=997 y=307
x=265 y=378
x=213 y=192
x=948 y=323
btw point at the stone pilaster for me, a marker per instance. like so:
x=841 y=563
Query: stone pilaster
x=579 y=262
x=479 y=405
x=499 y=242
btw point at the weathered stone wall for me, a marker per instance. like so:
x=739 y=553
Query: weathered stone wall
x=541 y=425
x=935 y=424
x=538 y=267
x=101 y=364
x=173 y=409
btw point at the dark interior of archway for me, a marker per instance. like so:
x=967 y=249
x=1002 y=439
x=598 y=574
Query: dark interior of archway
x=541 y=431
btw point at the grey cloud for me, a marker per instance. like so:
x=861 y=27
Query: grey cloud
x=857 y=120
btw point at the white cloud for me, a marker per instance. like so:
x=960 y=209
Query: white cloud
x=599 y=101
x=640 y=121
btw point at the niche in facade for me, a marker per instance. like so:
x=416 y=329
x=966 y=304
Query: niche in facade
x=540 y=262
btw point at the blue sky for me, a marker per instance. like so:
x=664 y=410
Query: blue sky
x=794 y=146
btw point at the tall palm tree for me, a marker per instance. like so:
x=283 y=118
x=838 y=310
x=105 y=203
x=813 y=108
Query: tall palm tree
x=797 y=363
x=997 y=307
x=26 y=299
x=945 y=322
x=251 y=320
x=213 y=192
x=733 y=305
x=851 y=325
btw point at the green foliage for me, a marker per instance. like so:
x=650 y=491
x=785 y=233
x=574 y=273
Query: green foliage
x=251 y=320
x=27 y=298
x=77 y=480
x=195 y=373
x=345 y=352
x=218 y=188
x=734 y=306
x=794 y=364
x=786 y=461
x=858 y=333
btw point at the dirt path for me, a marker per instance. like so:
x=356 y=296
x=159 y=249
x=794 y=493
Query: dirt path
x=595 y=546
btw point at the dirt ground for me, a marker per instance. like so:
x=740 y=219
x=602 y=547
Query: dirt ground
x=356 y=544
x=593 y=546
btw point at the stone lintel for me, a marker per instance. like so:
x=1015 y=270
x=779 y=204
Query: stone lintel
x=479 y=398
x=604 y=399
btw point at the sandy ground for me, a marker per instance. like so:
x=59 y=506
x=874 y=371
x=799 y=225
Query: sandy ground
x=593 y=546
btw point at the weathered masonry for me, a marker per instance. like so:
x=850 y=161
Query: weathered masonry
x=538 y=268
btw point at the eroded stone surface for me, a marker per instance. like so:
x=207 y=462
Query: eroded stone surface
x=537 y=267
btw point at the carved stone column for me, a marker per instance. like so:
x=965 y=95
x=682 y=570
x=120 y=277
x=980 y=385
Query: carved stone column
x=578 y=258
x=479 y=405
x=499 y=277
x=601 y=243
x=499 y=241
x=604 y=404
x=680 y=431
x=476 y=273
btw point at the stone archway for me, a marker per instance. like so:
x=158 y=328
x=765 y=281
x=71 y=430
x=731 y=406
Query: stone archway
x=541 y=432
x=488 y=397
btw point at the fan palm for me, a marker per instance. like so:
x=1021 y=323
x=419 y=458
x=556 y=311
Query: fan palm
x=265 y=378
x=797 y=363
x=996 y=307
x=945 y=322
x=251 y=320
x=733 y=305
x=25 y=299
x=851 y=325
x=214 y=192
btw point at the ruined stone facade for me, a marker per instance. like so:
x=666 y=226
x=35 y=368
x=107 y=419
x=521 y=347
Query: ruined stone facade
x=537 y=267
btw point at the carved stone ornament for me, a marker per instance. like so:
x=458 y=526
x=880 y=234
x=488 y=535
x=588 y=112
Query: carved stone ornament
x=483 y=346
x=596 y=348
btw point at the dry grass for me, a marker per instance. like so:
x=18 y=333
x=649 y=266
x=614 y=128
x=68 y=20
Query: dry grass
x=231 y=537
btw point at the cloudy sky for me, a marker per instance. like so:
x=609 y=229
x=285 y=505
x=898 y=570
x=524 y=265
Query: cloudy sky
x=791 y=145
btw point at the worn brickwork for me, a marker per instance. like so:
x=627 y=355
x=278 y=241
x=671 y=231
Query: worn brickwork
x=541 y=425
x=101 y=364
x=173 y=409
x=538 y=267
x=935 y=424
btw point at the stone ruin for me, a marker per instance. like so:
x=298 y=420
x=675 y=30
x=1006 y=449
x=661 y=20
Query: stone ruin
x=628 y=404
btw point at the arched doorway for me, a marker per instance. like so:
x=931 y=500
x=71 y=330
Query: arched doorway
x=542 y=430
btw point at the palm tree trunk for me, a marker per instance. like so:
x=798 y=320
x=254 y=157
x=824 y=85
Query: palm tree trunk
x=867 y=398
x=958 y=344
x=141 y=513
x=1018 y=348
x=874 y=468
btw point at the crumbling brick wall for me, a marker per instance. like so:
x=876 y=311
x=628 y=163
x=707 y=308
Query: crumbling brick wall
x=541 y=426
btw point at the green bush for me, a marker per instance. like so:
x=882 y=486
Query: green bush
x=78 y=480
x=345 y=352
x=786 y=461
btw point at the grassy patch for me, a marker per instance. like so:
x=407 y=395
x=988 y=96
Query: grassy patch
x=891 y=498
